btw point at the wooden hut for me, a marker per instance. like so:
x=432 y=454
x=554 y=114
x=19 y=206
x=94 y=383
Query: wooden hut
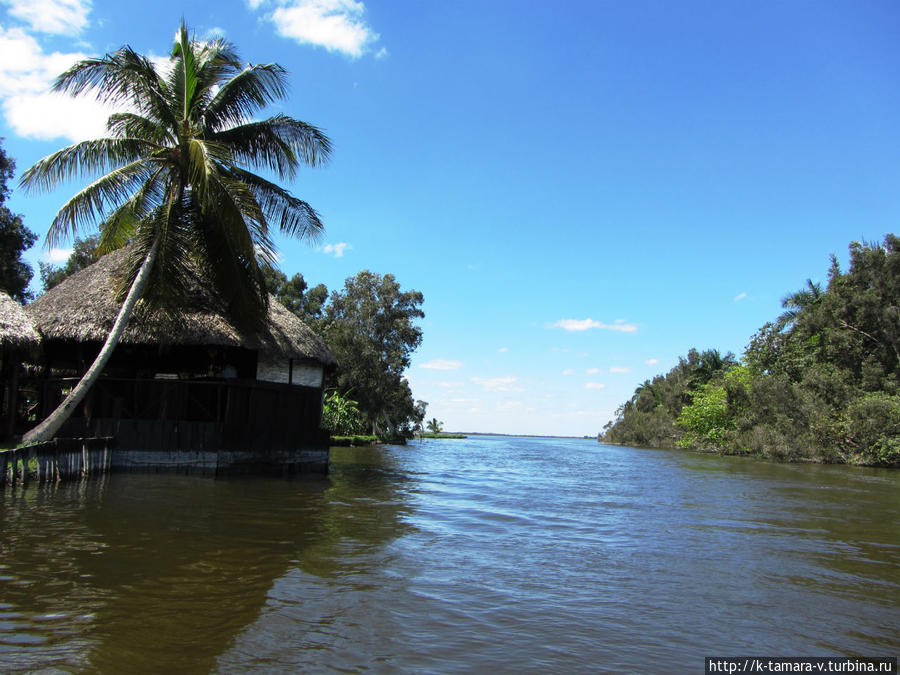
x=184 y=382
x=18 y=340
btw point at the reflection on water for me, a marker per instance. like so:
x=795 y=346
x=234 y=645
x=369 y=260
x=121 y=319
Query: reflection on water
x=458 y=555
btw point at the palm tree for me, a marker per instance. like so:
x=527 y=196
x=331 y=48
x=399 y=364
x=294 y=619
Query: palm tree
x=176 y=180
x=434 y=426
x=795 y=303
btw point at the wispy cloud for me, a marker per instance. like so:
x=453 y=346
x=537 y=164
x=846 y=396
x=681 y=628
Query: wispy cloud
x=463 y=401
x=594 y=385
x=507 y=383
x=57 y=17
x=587 y=324
x=651 y=362
x=503 y=350
x=568 y=371
x=336 y=249
x=619 y=369
x=592 y=371
x=336 y=25
x=441 y=364
x=739 y=297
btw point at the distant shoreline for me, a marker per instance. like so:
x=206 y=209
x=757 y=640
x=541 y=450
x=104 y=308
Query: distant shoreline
x=490 y=433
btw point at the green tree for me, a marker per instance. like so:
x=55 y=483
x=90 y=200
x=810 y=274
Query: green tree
x=370 y=327
x=84 y=253
x=307 y=303
x=434 y=426
x=177 y=182
x=796 y=302
x=15 y=239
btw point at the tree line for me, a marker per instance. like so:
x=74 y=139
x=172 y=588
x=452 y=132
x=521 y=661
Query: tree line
x=820 y=382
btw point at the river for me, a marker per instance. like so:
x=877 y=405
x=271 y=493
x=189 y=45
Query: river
x=499 y=554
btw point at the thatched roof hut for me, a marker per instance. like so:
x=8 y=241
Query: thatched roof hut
x=83 y=308
x=16 y=329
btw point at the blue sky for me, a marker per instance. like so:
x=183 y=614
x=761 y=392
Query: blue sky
x=582 y=191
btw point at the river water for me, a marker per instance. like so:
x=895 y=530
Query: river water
x=487 y=554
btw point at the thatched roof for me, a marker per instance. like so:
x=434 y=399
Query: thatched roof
x=16 y=329
x=83 y=308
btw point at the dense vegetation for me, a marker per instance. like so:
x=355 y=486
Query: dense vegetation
x=821 y=382
x=15 y=239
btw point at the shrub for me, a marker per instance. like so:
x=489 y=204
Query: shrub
x=871 y=426
x=341 y=415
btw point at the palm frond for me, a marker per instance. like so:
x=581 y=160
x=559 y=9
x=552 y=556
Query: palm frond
x=95 y=201
x=170 y=277
x=124 y=78
x=85 y=158
x=279 y=143
x=120 y=226
x=293 y=217
x=237 y=279
x=137 y=127
x=245 y=94
x=216 y=63
x=239 y=217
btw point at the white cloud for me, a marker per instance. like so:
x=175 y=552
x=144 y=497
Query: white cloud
x=651 y=362
x=507 y=383
x=568 y=371
x=592 y=371
x=26 y=75
x=58 y=255
x=59 y=17
x=503 y=350
x=337 y=25
x=450 y=385
x=441 y=364
x=587 y=324
x=617 y=369
x=739 y=297
x=594 y=385
x=337 y=249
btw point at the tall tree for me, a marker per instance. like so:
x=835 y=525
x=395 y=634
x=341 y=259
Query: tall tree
x=15 y=238
x=176 y=180
x=84 y=253
x=370 y=327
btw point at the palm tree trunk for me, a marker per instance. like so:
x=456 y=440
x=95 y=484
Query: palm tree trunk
x=48 y=428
